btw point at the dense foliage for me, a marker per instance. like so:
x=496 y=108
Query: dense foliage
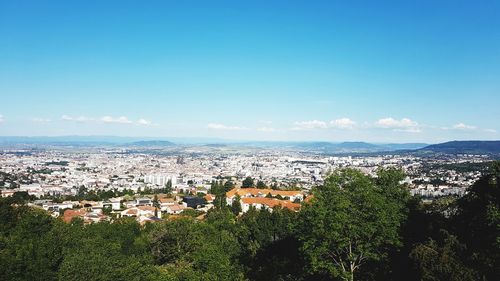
x=353 y=227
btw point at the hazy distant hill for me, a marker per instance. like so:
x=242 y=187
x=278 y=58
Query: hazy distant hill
x=320 y=147
x=464 y=147
x=336 y=147
x=216 y=145
x=356 y=147
x=155 y=143
x=82 y=140
x=404 y=146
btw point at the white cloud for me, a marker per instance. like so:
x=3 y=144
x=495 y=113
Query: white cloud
x=215 y=126
x=266 y=129
x=409 y=130
x=119 y=120
x=1 y=119
x=77 y=119
x=394 y=123
x=462 y=126
x=343 y=123
x=313 y=124
x=403 y=125
x=40 y=120
x=491 y=131
x=144 y=122
x=105 y=119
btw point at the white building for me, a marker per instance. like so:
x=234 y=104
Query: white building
x=160 y=179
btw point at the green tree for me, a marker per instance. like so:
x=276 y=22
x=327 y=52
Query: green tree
x=269 y=248
x=220 y=201
x=247 y=182
x=222 y=219
x=186 y=249
x=30 y=250
x=349 y=222
x=220 y=194
x=105 y=210
x=175 y=240
x=389 y=181
x=100 y=259
x=228 y=185
x=168 y=187
x=442 y=260
x=191 y=212
x=261 y=184
x=477 y=223
x=156 y=204
x=236 y=205
x=20 y=197
x=104 y=251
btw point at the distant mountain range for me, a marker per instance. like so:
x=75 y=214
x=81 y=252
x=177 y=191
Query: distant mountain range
x=464 y=147
x=153 y=143
x=357 y=147
x=452 y=147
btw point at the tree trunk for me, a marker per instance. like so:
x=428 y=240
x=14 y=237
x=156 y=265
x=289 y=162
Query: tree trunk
x=351 y=271
x=352 y=265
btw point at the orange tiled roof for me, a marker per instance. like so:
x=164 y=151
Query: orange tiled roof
x=270 y=202
x=146 y=208
x=131 y=212
x=85 y=202
x=256 y=191
x=176 y=207
x=209 y=197
x=167 y=200
x=70 y=214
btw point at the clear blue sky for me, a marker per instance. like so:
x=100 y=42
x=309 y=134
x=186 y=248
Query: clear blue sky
x=381 y=71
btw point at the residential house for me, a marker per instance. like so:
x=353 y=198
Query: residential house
x=266 y=203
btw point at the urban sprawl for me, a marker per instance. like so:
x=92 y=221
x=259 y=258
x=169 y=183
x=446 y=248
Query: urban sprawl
x=151 y=186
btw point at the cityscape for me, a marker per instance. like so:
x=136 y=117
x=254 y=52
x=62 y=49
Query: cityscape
x=277 y=140
x=59 y=173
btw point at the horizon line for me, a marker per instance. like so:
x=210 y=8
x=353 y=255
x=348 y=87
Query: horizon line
x=213 y=139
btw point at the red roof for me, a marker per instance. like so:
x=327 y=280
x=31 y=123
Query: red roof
x=209 y=197
x=70 y=214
